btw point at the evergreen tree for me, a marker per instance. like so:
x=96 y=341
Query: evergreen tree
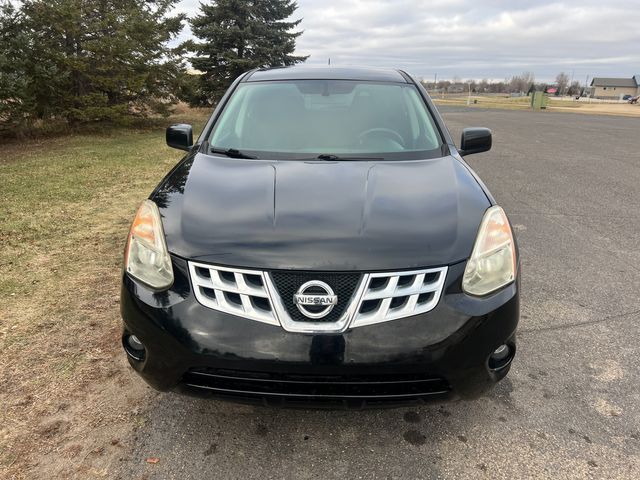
x=238 y=35
x=15 y=98
x=96 y=60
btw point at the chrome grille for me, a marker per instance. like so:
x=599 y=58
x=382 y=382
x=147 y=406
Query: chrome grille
x=378 y=297
x=231 y=290
x=389 y=296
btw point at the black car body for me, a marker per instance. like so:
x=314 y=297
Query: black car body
x=310 y=276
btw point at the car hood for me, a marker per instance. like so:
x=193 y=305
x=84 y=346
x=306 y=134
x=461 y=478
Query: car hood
x=320 y=215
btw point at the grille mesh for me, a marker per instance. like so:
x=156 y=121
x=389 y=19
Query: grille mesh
x=343 y=285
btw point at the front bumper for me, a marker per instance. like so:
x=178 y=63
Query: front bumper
x=440 y=354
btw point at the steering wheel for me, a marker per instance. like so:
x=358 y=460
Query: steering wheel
x=387 y=132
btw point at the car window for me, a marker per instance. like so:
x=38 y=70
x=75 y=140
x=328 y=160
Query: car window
x=306 y=118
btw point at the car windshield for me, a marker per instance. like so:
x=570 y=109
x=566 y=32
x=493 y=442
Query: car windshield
x=310 y=118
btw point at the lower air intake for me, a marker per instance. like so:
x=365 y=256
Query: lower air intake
x=329 y=390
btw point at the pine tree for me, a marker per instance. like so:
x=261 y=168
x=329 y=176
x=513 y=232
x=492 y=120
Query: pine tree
x=15 y=99
x=96 y=60
x=238 y=35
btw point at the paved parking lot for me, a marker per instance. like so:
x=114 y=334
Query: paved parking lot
x=570 y=407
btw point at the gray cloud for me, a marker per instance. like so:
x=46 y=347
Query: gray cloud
x=472 y=39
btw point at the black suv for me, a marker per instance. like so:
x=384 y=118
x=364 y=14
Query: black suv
x=322 y=243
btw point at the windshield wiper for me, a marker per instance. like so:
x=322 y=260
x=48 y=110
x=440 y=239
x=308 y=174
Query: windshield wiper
x=231 y=152
x=329 y=156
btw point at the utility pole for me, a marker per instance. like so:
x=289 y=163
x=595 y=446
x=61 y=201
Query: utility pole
x=435 y=82
x=329 y=61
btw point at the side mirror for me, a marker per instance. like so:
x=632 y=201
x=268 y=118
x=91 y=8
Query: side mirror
x=475 y=140
x=180 y=136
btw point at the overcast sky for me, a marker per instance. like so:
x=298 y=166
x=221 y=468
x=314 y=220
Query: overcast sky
x=491 y=39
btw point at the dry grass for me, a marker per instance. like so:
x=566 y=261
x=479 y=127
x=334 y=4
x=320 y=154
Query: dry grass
x=506 y=102
x=65 y=207
x=622 y=109
x=485 y=101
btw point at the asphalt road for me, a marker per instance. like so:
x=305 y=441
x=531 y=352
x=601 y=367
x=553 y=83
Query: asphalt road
x=570 y=408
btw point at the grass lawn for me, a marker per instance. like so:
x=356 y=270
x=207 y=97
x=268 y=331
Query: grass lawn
x=65 y=208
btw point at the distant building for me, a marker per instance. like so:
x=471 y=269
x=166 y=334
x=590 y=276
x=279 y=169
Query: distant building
x=544 y=88
x=614 y=88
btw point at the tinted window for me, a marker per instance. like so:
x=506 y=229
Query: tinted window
x=305 y=118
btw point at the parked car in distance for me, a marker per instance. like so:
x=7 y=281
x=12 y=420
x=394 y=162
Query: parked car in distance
x=322 y=243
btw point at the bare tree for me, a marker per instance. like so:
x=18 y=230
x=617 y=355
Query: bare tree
x=497 y=87
x=575 y=88
x=443 y=84
x=522 y=83
x=562 y=80
x=528 y=78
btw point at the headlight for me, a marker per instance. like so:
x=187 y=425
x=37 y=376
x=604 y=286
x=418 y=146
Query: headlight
x=146 y=256
x=492 y=264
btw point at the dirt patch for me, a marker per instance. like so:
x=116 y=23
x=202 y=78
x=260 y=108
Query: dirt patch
x=99 y=430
